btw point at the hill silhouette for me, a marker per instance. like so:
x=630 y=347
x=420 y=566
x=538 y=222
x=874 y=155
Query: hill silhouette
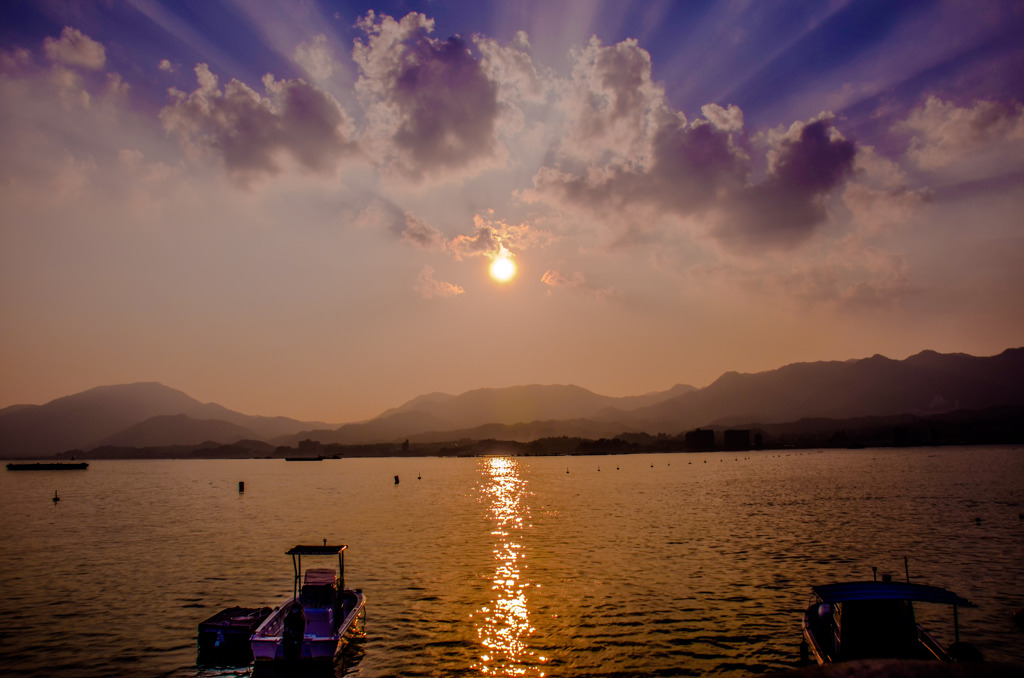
x=85 y=420
x=151 y=415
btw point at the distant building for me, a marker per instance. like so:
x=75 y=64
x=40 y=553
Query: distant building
x=736 y=439
x=309 y=445
x=700 y=439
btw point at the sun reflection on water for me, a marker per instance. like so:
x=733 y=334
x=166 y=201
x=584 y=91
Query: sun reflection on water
x=503 y=627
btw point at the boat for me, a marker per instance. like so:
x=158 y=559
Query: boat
x=47 y=466
x=875 y=620
x=223 y=639
x=321 y=617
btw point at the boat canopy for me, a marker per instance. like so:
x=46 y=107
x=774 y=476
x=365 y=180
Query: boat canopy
x=888 y=590
x=316 y=550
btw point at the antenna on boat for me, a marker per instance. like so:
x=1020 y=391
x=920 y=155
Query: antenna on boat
x=874 y=572
x=906 y=568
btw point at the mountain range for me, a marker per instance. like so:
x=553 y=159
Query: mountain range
x=153 y=415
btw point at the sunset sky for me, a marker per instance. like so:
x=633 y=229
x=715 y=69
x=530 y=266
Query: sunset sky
x=292 y=208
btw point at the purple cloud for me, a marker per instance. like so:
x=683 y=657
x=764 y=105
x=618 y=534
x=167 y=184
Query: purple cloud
x=430 y=101
x=254 y=133
x=784 y=209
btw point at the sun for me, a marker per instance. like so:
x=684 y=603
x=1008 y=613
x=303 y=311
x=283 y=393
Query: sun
x=503 y=268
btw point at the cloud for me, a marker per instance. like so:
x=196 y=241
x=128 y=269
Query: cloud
x=879 y=196
x=576 y=282
x=627 y=158
x=852 y=277
x=429 y=288
x=420 y=233
x=942 y=133
x=15 y=61
x=253 y=133
x=74 y=48
x=432 y=109
x=494 y=236
x=611 y=104
x=316 y=58
x=809 y=161
x=729 y=119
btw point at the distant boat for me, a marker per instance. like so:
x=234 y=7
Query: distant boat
x=44 y=466
x=321 y=617
x=875 y=620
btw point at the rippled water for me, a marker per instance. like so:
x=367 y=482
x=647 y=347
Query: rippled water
x=669 y=564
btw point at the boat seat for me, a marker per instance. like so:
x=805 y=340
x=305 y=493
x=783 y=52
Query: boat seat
x=320 y=576
x=320 y=621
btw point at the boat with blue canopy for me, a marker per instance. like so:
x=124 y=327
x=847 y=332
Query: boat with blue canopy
x=876 y=620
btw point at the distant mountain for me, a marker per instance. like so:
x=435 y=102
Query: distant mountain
x=179 y=428
x=85 y=420
x=152 y=415
x=926 y=383
x=453 y=415
x=923 y=384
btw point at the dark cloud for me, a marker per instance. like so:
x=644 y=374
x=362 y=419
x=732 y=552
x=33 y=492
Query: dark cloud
x=784 y=209
x=252 y=132
x=691 y=167
x=449 y=104
x=430 y=98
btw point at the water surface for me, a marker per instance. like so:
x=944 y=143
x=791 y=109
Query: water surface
x=667 y=564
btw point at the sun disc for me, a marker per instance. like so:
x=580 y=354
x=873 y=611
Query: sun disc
x=503 y=269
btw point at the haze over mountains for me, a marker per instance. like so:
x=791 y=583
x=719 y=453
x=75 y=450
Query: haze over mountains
x=153 y=415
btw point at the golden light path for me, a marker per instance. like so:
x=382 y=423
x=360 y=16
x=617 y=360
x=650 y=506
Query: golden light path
x=504 y=627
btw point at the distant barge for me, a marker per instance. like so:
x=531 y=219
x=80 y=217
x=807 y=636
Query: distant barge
x=41 y=466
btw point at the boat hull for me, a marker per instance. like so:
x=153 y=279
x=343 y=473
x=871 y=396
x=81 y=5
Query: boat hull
x=223 y=639
x=44 y=466
x=268 y=640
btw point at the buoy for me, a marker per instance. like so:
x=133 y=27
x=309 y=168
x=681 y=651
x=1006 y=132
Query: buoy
x=241 y=486
x=566 y=469
x=419 y=476
x=55 y=497
x=396 y=480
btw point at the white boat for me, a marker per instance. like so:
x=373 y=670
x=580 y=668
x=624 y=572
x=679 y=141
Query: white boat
x=875 y=620
x=321 y=617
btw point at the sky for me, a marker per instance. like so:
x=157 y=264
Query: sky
x=295 y=208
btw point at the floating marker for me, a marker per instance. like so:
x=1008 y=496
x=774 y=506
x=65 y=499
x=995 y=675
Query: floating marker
x=396 y=480
x=241 y=486
x=55 y=497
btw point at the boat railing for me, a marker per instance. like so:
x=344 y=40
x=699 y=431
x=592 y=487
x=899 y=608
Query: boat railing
x=929 y=643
